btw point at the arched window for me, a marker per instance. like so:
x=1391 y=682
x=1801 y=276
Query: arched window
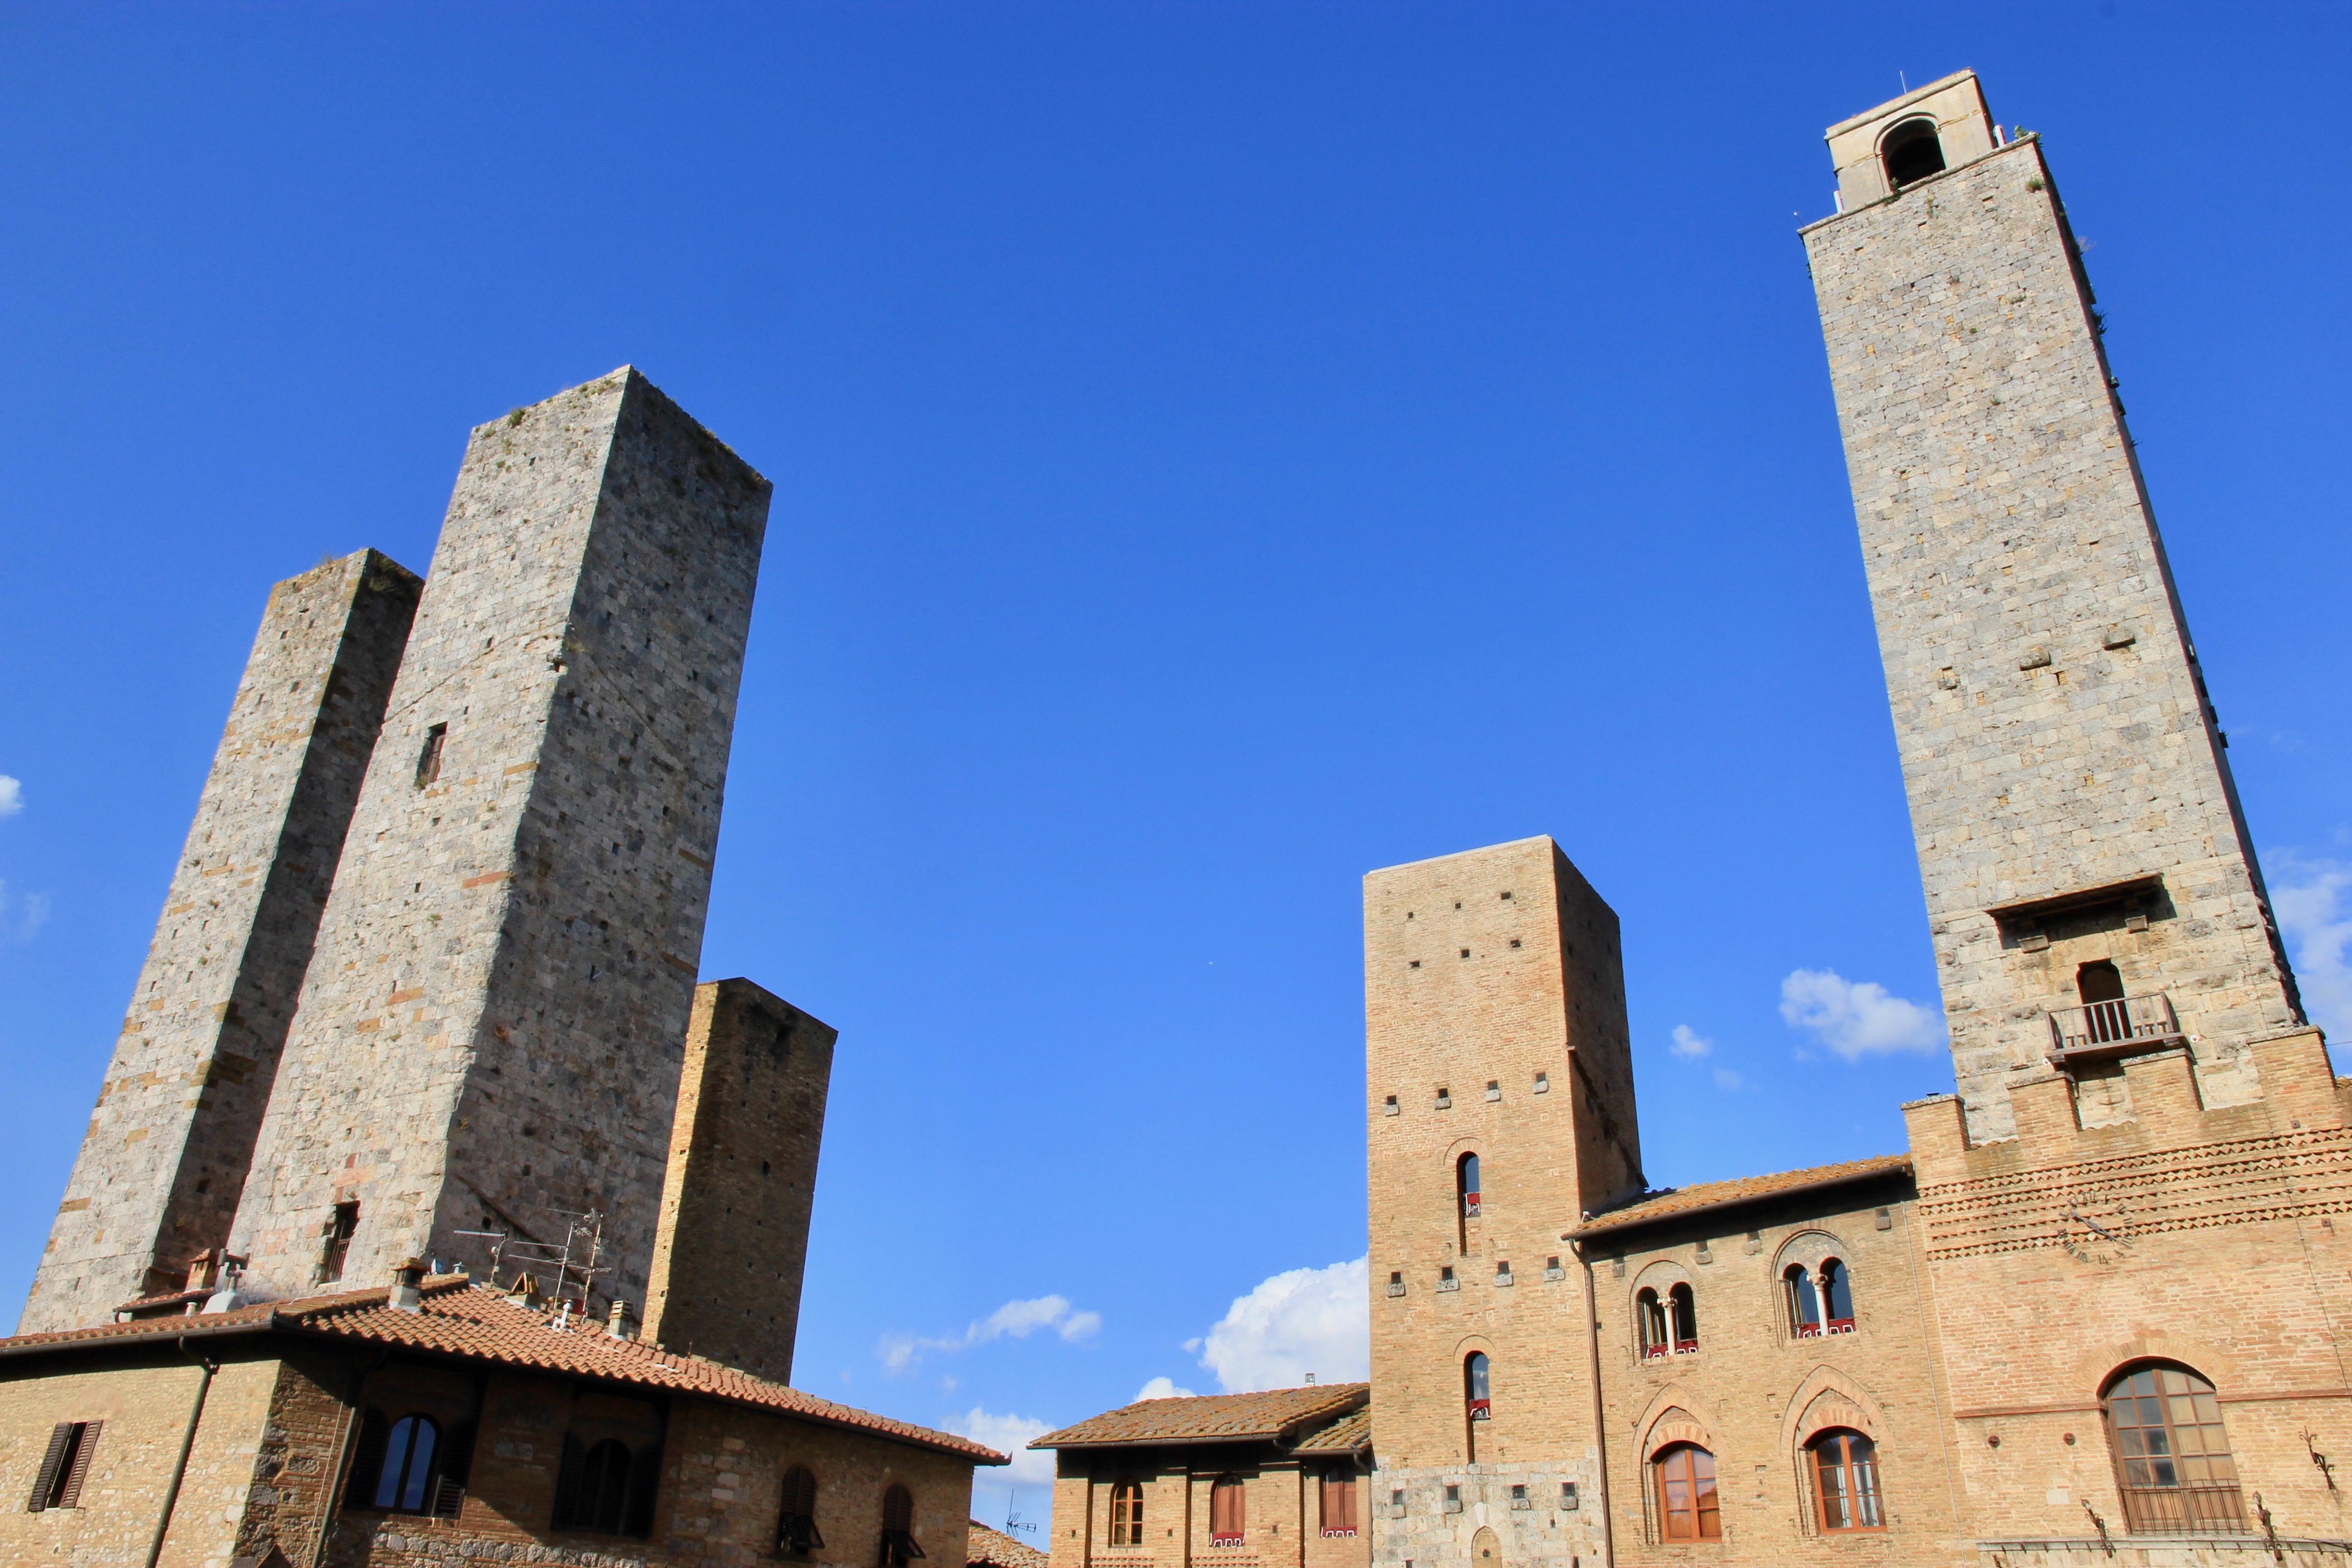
x=405 y=1482
x=1683 y=1308
x=1474 y=1388
x=1911 y=152
x=1228 y=1516
x=1126 y=1514
x=2171 y=1453
x=1338 y=1503
x=898 y=1546
x=1845 y=1482
x=603 y=1487
x=1686 y=1503
x=796 y=1532
x=1837 y=1296
x=1465 y=1184
x=1650 y=1314
x=2105 y=1014
x=607 y=1486
x=1804 y=1304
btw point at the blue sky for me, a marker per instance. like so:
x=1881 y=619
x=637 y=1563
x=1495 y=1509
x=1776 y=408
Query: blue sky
x=1219 y=450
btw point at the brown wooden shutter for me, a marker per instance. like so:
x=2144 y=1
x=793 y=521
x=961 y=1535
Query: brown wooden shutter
x=367 y=1460
x=644 y=1490
x=567 y=1483
x=44 y=1481
x=85 y=1445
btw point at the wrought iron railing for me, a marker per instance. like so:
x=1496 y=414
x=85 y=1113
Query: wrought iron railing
x=2121 y=1021
x=2184 y=1511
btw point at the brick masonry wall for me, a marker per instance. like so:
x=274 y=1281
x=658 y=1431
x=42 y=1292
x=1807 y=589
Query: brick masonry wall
x=1540 y=991
x=733 y=1242
x=1754 y=1393
x=2003 y=523
x=1282 y=1510
x=157 y=1179
x=491 y=1028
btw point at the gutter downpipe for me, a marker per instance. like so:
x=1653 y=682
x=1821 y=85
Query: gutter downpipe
x=334 y=1476
x=1599 y=1417
x=187 y=1445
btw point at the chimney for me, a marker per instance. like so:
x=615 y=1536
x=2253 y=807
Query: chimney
x=621 y=1322
x=407 y=1277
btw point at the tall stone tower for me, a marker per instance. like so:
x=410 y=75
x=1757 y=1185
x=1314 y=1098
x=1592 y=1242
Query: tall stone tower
x=157 y=1180
x=733 y=1240
x=491 y=1028
x=1500 y=1109
x=2091 y=885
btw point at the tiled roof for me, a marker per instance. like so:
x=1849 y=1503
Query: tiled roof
x=1344 y=1435
x=1745 y=1189
x=461 y=1318
x=995 y=1549
x=1274 y=1414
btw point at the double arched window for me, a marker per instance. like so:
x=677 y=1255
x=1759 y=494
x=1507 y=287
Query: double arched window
x=1845 y=1482
x=1817 y=1301
x=2172 y=1455
x=898 y=1546
x=796 y=1532
x=1683 y=1481
x=1228 y=1512
x=1126 y=1513
x=1668 y=1323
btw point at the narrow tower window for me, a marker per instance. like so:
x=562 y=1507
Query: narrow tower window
x=428 y=761
x=1475 y=1386
x=1911 y=152
x=341 y=1227
x=1466 y=1182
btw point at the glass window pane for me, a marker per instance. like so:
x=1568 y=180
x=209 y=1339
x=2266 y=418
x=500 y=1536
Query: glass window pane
x=420 y=1465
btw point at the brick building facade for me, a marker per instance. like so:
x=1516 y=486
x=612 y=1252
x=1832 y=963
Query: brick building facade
x=2090 y=1316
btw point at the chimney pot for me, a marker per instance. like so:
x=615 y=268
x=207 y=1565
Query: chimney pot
x=407 y=1276
x=621 y=1322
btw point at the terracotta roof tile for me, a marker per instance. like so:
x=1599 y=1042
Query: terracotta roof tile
x=460 y=1319
x=1744 y=1189
x=1274 y=1413
x=997 y=1550
x=1344 y=1435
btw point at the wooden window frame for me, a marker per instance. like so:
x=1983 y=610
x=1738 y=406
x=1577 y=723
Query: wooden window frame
x=1229 y=1497
x=1705 y=1507
x=1858 y=1499
x=65 y=1465
x=1127 y=1512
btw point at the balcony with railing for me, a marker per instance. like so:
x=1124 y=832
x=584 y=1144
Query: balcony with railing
x=2106 y=1028
x=2184 y=1511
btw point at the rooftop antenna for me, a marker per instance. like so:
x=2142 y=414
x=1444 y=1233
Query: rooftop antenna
x=576 y=1260
x=1014 y=1522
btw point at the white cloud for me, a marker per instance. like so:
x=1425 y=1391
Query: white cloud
x=1014 y=1319
x=2314 y=906
x=12 y=796
x=1728 y=1080
x=1007 y=1434
x=22 y=917
x=1165 y=1387
x=1688 y=1044
x=1308 y=1320
x=1857 y=1018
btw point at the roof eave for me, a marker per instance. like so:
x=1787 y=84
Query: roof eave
x=1635 y=1222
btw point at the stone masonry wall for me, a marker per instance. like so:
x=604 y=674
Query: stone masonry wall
x=734 y=1243
x=1497 y=967
x=492 y=1026
x=2054 y=729
x=1754 y=1393
x=157 y=1179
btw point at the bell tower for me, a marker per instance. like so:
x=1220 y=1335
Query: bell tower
x=2091 y=886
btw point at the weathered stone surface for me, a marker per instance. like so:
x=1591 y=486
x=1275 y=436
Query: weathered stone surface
x=164 y=1158
x=2055 y=726
x=734 y=1241
x=492 y=1026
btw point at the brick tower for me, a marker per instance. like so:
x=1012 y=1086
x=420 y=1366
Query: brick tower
x=492 y=1026
x=2089 y=877
x=734 y=1241
x=1500 y=1109
x=157 y=1179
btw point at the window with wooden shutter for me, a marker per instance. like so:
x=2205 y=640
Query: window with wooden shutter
x=367 y=1459
x=796 y=1532
x=898 y=1545
x=1338 y=1503
x=567 y=1482
x=644 y=1490
x=65 y=1463
x=1228 y=1512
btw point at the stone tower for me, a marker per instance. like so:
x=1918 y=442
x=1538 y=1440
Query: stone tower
x=734 y=1241
x=2089 y=877
x=1500 y=1109
x=491 y=1028
x=157 y=1179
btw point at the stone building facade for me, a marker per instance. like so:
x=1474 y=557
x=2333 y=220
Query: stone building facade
x=1277 y=1480
x=162 y=1164
x=2091 y=1317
